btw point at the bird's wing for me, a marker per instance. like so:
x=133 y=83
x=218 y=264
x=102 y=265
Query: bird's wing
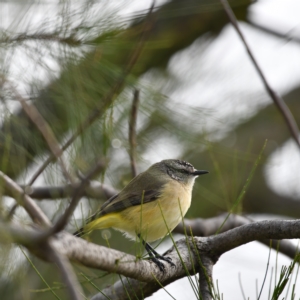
x=145 y=189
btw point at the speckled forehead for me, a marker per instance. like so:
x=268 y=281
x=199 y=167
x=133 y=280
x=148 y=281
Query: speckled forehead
x=176 y=163
x=185 y=164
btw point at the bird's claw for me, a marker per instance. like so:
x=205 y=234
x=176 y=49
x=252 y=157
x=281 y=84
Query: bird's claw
x=159 y=264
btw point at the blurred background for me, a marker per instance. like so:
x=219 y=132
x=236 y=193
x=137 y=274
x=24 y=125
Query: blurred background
x=201 y=100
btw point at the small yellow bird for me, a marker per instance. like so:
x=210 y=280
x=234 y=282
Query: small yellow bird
x=150 y=206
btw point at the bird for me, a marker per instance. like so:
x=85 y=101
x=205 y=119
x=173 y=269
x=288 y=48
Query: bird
x=150 y=206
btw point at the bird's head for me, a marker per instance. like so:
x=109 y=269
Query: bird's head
x=180 y=170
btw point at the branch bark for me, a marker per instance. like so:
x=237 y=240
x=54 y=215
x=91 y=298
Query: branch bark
x=207 y=227
x=195 y=253
x=209 y=249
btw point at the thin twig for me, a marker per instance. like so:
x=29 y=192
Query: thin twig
x=106 y=100
x=63 y=220
x=241 y=286
x=70 y=40
x=60 y=224
x=286 y=36
x=47 y=133
x=279 y=102
x=11 y=212
x=67 y=273
x=24 y=200
x=205 y=277
x=132 y=132
x=94 y=190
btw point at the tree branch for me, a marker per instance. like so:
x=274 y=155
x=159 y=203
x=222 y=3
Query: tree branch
x=78 y=193
x=36 y=214
x=190 y=249
x=205 y=278
x=255 y=231
x=209 y=248
x=67 y=273
x=113 y=261
x=286 y=36
x=94 y=189
x=98 y=111
x=53 y=37
x=132 y=132
x=278 y=101
x=207 y=227
x=46 y=131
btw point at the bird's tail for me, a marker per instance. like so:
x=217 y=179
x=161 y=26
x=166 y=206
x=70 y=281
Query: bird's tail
x=99 y=222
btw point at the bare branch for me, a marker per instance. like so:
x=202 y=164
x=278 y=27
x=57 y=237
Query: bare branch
x=216 y=245
x=14 y=233
x=279 y=102
x=24 y=200
x=205 y=277
x=63 y=220
x=94 y=190
x=78 y=193
x=286 y=36
x=128 y=289
x=132 y=132
x=11 y=212
x=207 y=227
x=47 y=133
x=98 y=111
x=31 y=238
x=209 y=248
x=53 y=37
x=114 y=261
x=67 y=273
x=275 y=229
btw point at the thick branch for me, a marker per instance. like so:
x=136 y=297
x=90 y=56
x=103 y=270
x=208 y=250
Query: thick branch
x=252 y=232
x=207 y=227
x=209 y=248
x=113 y=261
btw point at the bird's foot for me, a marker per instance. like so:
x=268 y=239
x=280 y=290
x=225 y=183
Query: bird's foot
x=160 y=265
x=167 y=259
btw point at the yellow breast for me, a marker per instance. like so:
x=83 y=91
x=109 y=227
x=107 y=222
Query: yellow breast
x=156 y=219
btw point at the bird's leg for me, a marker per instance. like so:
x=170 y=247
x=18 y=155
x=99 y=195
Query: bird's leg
x=155 y=257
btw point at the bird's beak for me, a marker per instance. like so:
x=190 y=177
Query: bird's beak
x=199 y=172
